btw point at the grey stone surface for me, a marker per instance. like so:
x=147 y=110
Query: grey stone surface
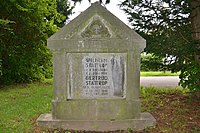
x=144 y=121
x=98 y=74
x=96 y=62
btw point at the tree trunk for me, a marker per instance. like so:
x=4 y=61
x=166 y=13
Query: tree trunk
x=195 y=21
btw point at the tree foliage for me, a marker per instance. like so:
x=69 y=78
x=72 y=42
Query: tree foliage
x=166 y=24
x=64 y=8
x=24 y=28
x=151 y=62
x=101 y=1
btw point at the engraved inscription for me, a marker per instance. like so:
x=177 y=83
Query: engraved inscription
x=103 y=76
x=96 y=79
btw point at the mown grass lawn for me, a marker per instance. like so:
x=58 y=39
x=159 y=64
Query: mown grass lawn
x=20 y=106
x=158 y=73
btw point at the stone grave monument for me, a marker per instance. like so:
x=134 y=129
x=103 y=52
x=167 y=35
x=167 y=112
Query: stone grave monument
x=96 y=63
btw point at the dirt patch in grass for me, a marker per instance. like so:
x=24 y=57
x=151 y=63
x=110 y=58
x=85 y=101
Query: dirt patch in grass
x=174 y=112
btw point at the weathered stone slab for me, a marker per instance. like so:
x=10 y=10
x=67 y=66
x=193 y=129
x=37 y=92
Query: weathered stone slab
x=97 y=75
x=144 y=121
x=96 y=109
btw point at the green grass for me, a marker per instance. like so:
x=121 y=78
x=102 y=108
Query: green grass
x=151 y=97
x=159 y=73
x=20 y=104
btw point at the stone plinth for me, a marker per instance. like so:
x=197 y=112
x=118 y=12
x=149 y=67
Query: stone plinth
x=145 y=120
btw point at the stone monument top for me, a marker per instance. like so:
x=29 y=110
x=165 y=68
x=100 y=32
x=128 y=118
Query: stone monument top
x=96 y=64
x=96 y=23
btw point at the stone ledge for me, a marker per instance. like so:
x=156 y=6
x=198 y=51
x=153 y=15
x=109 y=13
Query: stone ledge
x=45 y=120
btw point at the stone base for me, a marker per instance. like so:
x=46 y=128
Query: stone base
x=45 y=120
